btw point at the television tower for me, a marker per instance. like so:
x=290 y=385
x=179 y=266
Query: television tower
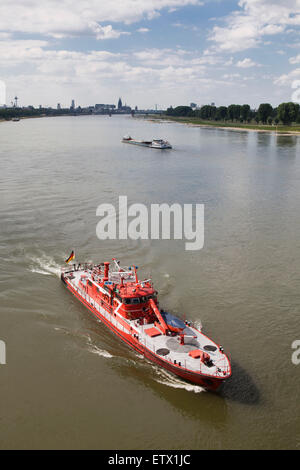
x=16 y=102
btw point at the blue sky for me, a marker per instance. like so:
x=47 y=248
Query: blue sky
x=164 y=52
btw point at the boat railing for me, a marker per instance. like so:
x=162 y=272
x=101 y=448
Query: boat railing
x=97 y=306
x=220 y=372
x=76 y=267
x=117 y=275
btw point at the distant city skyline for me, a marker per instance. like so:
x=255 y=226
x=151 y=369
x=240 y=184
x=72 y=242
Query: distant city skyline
x=156 y=53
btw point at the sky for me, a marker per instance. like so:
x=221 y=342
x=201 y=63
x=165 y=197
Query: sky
x=150 y=52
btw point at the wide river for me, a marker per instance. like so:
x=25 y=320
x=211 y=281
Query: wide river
x=68 y=382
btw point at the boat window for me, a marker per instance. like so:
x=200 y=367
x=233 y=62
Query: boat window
x=153 y=296
x=134 y=300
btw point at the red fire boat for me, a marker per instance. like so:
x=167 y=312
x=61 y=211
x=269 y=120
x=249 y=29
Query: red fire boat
x=130 y=309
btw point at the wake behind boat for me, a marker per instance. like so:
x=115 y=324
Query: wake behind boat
x=154 y=144
x=130 y=309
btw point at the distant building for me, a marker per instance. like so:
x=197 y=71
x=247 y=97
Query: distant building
x=120 y=104
x=104 y=108
x=58 y=106
x=87 y=110
x=72 y=104
x=213 y=104
x=193 y=105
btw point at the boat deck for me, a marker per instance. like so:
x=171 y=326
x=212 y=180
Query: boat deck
x=172 y=350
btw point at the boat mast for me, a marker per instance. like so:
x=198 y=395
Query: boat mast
x=135 y=273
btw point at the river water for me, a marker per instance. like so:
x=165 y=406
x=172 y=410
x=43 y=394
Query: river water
x=67 y=381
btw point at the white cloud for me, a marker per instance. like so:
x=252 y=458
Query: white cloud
x=4 y=36
x=245 y=29
x=246 y=63
x=294 y=45
x=143 y=30
x=188 y=27
x=59 y=75
x=175 y=57
x=61 y=18
x=295 y=60
x=229 y=76
x=14 y=52
x=288 y=78
x=107 y=32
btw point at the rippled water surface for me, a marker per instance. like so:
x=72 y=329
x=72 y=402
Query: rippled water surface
x=69 y=383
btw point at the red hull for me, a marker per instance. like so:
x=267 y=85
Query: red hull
x=197 y=378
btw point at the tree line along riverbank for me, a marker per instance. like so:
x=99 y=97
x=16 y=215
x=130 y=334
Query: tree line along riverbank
x=280 y=129
x=285 y=113
x=6 y=114
x=285 y=118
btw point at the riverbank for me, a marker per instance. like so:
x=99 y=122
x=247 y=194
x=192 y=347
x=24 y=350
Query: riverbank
x=195 y=122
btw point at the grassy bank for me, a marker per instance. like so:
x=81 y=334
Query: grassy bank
x=280 y=129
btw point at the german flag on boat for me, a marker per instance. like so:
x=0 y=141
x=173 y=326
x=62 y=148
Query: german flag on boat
x=71 y=257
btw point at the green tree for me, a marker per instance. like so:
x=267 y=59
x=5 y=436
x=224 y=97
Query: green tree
x=181 y=111
x=237 y=112
x=231 y=112
x=264 y=111
x=245 y=112
x=234 y=112
x=222 y=113
x=288 y=112
x=213 y=112
x=205 y=112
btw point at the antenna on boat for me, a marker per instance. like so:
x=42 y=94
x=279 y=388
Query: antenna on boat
x=117 y=263
x=145 y=282
x=136 y=278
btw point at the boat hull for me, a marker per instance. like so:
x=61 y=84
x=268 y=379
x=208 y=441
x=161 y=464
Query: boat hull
x=146 y=144
x=208 y=382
